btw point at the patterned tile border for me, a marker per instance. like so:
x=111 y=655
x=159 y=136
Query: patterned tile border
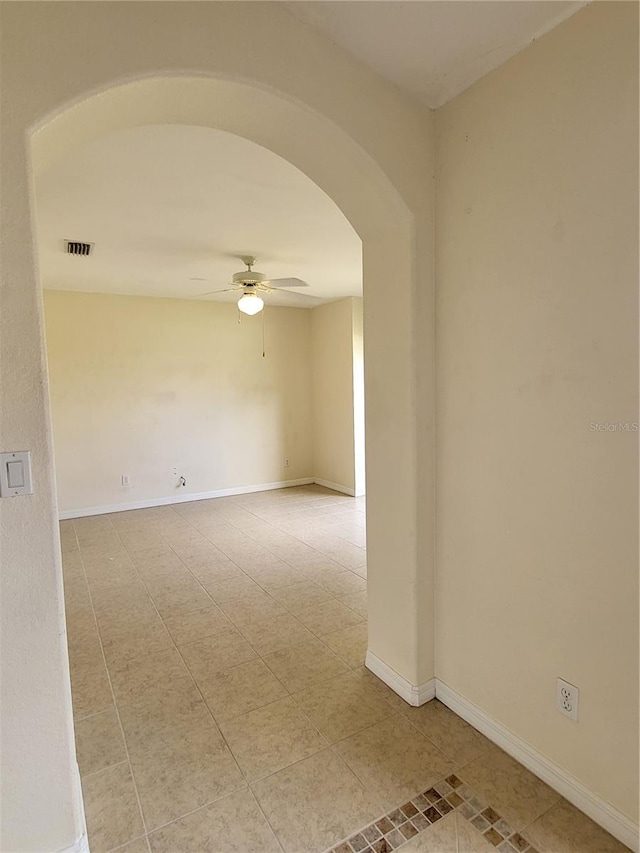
x=394 y=829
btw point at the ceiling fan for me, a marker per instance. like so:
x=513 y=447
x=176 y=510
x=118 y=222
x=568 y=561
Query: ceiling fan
x=251 y=282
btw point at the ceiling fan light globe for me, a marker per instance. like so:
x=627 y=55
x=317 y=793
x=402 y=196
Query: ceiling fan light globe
x=250 y=303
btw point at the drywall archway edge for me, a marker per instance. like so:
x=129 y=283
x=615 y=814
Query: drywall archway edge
x=391 y=245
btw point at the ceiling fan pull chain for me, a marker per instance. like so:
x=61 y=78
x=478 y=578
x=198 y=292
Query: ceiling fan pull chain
x=239 y=316
x=263 y=347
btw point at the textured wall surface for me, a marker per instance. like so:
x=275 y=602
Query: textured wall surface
x=142 y=385
x=537 y=330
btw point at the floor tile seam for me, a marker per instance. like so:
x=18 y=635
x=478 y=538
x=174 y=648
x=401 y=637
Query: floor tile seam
x=254 y=515
x=184 y=663
x=334 y=598
x=264 y=778
x=252 y=711
x=131 y=564
x=300 y=540
x=90 y=716
x=525 y=829
x=359 y=731
x=271 y=651
x=242 y=787
x=150 y=832
x=214 y=725
x=166 y=627
x=350 y=769
x=305 y=715
x=364 y=729
x=362 y=619
x=451 y=758
x=191 y=674
x=285 y=586
x=290 y=764
x=131 y=841
x=458 y=772
x=117 y=711
x=206 y=704
x=185 y=564
x=262 y=655
x=104 y=769
x=231 y=628
x=347 y=541
x=266 y=818
x=296 y=645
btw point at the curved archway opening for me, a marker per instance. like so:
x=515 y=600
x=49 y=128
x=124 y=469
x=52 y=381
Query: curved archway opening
x=384 y=223
x=170 y=211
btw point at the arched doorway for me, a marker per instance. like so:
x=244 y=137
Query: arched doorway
x=383 y=222
x=325 y=137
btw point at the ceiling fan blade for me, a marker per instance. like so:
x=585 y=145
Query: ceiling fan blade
x=224 y=290
x=299 y=298
x=285 y=282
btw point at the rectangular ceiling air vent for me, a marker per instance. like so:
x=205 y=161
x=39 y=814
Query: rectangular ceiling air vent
x=74 y=247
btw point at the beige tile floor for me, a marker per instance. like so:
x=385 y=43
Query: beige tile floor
x=221 y=703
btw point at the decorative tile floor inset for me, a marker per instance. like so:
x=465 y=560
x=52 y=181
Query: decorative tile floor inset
x=394 y=829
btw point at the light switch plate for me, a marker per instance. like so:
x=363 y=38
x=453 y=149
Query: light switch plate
x=15 y=468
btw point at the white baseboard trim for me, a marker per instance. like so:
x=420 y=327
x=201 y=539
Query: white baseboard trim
x=182 y=498
x=604 y=814
x=414 y=694
x=336 y=487
x=80 y=845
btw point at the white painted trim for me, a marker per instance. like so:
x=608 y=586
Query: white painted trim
x=182 y=498
x=80 y=845
x=336 y=487
x=414 y=694
x=604 y=814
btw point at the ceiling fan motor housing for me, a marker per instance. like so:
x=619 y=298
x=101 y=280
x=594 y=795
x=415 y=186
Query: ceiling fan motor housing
x=249 y=277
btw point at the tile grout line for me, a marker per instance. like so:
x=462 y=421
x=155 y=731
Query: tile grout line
x=213 y=719
x=289 y=695
x=215 y=722
x=264 y=521
x=222 y=734
x=113 y=695
x=266 y=817
x=102 y=769
x=236 y=626
x=131 y=562
x=266 y=591
x=130 y=841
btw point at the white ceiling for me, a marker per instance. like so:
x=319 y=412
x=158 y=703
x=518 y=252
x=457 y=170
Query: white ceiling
x=170 y=208
x=167 y=205
x=433 y=49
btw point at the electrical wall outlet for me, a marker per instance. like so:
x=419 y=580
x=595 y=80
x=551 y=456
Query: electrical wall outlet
x=286 y=462
x=567 y=698
x=126 y=479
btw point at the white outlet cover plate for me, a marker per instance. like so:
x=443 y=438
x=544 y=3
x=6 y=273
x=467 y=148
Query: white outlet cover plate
x=567 y=699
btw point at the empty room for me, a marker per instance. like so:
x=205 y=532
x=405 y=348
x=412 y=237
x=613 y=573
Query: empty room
x=251 y=252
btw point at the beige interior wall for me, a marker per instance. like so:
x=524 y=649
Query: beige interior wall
x=537 y=333
x=140 y=386
x=332 y=371
x=358 y=395
x=160 y=68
